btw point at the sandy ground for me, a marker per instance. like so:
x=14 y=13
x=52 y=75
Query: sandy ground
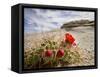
x=84 y=38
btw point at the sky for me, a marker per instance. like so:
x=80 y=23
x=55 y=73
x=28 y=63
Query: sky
x=41 y=20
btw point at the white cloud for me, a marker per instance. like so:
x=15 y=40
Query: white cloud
x=50 y=19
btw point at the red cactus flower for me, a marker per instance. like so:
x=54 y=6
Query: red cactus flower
x=48 y=53
x=60 y=53
x=69 y=38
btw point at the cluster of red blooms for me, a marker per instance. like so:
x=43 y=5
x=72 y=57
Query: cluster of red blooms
x=68 y=39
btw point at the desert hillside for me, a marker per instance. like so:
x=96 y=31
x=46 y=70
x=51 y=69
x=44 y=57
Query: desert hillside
x=78 y=23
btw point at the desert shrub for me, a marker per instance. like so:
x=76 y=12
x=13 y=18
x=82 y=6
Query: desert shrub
x=51 y=54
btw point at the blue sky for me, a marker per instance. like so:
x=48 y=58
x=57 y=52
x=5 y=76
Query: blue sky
x=40 y=20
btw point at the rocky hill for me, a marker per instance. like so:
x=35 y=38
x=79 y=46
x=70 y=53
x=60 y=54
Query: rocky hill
x=78 y=23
